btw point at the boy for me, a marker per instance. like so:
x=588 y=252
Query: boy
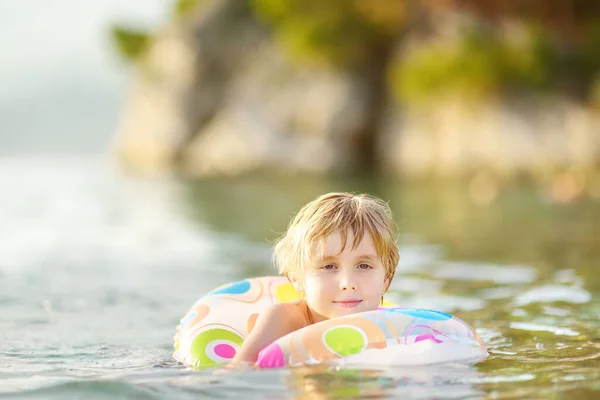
x=340 y=254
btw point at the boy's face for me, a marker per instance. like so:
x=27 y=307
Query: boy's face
x=344 y=282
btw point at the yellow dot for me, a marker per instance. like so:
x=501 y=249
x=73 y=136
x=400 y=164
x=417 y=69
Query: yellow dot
x=286 y=293
x=387 y=303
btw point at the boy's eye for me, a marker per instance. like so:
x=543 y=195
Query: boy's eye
x=364 y=266
x=329 y=266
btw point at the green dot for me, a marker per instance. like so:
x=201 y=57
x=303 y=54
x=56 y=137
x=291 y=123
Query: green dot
x=344 y=340
x=198 y=348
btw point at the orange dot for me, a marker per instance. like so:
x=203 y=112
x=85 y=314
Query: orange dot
x=252 y=322
x=202 y=311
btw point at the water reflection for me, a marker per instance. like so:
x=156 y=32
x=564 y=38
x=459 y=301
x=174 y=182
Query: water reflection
x=451 y=381
x=322 y=382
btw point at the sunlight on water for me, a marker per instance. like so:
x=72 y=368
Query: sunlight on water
x=96 y=270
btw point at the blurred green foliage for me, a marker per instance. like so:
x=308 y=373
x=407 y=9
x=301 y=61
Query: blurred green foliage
x=351 y=34
x=478 y=65
x=340 y=32
x=184 y=7
x=483 y=62
x=130 y=43
x=582 y=62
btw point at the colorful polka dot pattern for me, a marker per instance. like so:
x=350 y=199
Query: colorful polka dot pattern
x=195 y=316
x=214 y=329
x=286 y=293
x=214 y=346
x=240 y=287
x=424 y=314
x=271 y=357
x=345 y=340
x=419 y=333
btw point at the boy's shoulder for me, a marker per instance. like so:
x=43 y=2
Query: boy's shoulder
x=283 y=309
x=290 y=314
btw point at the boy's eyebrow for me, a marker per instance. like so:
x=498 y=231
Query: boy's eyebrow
x=362 y=257
x=368 y=256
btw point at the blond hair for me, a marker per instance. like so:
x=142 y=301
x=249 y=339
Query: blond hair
x=332 y=212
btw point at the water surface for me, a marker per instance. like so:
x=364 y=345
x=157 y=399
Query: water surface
x=97 y=268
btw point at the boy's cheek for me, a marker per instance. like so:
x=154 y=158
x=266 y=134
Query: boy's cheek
x=313 y=285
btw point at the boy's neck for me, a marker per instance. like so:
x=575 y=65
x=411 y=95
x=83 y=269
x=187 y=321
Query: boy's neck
x=311 y=316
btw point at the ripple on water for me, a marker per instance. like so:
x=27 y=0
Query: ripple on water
x=417 y=257
x=471 y=271
x=552 y=293
x=500 y=292
x=506 y=378
x=527 y=326
x=448 y=303
x=87 y=389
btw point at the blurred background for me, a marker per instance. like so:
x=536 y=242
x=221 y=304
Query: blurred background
x=152 y=150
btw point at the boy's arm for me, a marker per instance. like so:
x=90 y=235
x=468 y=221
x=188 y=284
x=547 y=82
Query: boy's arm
x=276 y=321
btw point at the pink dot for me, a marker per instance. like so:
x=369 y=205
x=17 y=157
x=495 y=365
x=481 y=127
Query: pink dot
x=427 y=337
x=225 y=350
x=271 y=357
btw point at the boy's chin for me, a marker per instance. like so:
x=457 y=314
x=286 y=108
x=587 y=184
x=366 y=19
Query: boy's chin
x=340 y=312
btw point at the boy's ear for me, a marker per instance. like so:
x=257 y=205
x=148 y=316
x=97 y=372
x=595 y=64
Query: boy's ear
x=386 y=283
x=295 y=281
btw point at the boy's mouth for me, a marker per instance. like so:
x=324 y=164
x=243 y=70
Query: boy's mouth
x=348 y=303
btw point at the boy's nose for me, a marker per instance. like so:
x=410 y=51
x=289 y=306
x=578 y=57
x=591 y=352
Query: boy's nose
x=346 y=285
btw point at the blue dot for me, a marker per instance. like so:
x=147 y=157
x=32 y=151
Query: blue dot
x=420 y=313
x=382 y=325
x=188 y=318
x=238 y=287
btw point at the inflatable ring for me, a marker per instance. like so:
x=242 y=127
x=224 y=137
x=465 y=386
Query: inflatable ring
x=216 y=325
